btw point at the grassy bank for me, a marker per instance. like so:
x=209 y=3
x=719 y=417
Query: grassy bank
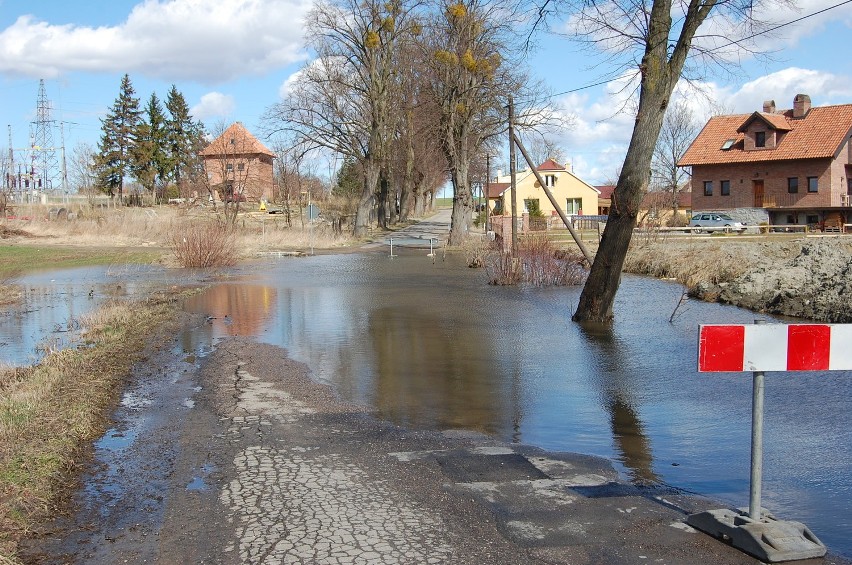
x=49 y=413
x=15 y=259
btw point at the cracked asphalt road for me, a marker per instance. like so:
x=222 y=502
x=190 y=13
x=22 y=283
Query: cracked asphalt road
x=238 y=457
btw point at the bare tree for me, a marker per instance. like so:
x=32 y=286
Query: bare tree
x=82 y=169
x=652 y=41
x=678 y=131
x=470 y=55
x=343 y=100
x=542 y=147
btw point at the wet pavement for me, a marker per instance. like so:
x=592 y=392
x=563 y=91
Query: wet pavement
x=270 y=467
x=226 y=450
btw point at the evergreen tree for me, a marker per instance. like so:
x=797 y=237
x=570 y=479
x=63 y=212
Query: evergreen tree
x=184 y=138
x=120 y=130
x=350 y=179
x=157 y=137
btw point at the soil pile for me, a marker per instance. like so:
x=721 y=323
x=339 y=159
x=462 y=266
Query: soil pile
x=806 y=277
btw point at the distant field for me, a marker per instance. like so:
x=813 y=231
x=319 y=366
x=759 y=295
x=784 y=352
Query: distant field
x=444 y=202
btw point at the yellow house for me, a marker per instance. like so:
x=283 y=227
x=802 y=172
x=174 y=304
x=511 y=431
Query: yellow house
x=574 y=196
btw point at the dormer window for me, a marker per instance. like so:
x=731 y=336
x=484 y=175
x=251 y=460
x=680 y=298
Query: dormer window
x=728 y=144
x=760 y=139
x=549 y=180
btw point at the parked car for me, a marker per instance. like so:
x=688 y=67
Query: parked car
x=714 y=221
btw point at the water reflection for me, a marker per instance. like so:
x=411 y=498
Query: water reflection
x=431 y=345
x=619 y=400
x=423 y=361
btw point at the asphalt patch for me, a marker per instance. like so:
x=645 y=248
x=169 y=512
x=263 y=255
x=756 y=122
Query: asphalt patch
x=474 y=468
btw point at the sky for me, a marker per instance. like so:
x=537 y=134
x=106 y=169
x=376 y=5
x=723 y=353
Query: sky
x=232 y=58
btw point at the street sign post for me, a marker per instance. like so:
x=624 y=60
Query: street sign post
x=759 y=348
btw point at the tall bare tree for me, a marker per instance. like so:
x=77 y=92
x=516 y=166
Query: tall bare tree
x=469 y=52
x=652 y=39
x=343 y=100
x=678 y=131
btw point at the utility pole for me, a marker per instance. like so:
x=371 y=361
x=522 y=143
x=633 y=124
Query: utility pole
x=42 y=141
x=486 y=192
x=512 y=175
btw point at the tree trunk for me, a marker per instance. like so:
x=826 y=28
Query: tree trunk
x=365 y=202
x=462 y=205
x=598 y=294
x=382 y=212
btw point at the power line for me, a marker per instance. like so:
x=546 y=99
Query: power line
x=734 y=42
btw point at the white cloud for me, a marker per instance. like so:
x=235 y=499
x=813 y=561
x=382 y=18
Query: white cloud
x=213 y=105
x=823 y=87
x=211 y=41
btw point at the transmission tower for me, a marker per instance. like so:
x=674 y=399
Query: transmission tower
x=45 y=163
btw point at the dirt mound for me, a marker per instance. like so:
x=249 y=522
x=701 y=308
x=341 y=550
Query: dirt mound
x=813 y=282
x=7 y=232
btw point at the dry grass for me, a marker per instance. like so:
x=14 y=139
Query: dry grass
x=695 y=262
x=49 y=413
x=153 y=227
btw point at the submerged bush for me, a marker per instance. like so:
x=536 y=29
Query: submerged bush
x=204 y=244
x=538 y=263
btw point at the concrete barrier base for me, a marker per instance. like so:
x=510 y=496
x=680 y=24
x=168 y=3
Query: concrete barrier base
x=769 y=539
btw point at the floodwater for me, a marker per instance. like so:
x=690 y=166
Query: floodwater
x=48 y=317
x=429 y=344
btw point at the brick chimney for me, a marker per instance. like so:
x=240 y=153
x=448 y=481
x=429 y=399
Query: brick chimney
x=769 y=106
x=801 y=105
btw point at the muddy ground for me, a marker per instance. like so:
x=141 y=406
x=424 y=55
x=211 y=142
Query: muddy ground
x=806 y=277
x=236 y=456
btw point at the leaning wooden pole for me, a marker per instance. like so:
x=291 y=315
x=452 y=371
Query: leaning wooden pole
x=549 y=194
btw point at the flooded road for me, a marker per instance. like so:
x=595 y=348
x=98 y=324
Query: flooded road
x=429 y=344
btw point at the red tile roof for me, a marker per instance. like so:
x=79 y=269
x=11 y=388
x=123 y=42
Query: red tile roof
x=244 y=143
x=605 y=190
x=551 y=165
x=818 y=135
x=495 y=189
x=775 y=121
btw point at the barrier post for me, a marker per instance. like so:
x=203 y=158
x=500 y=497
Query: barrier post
x=756 y=442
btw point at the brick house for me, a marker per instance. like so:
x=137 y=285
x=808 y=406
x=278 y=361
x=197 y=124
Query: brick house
x=790 y=167
x=238 y=166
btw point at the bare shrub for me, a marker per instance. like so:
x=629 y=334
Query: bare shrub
x=539 y=263
x=476 y=251
x=203 y=244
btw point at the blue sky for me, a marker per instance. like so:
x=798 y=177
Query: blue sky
x=230 y=59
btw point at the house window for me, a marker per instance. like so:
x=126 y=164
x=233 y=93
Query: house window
x=708 y=188
x=549 y=180
x=793 y=185
x=573 y=205
x=813 y=184
x=791 y=219
x=725 y=187
x=241 y=166
x=760 y=139
x=229 y=167
x=812 y=220
x=728 y=144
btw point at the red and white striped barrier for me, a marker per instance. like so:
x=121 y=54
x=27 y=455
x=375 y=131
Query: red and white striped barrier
x=775 y=347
